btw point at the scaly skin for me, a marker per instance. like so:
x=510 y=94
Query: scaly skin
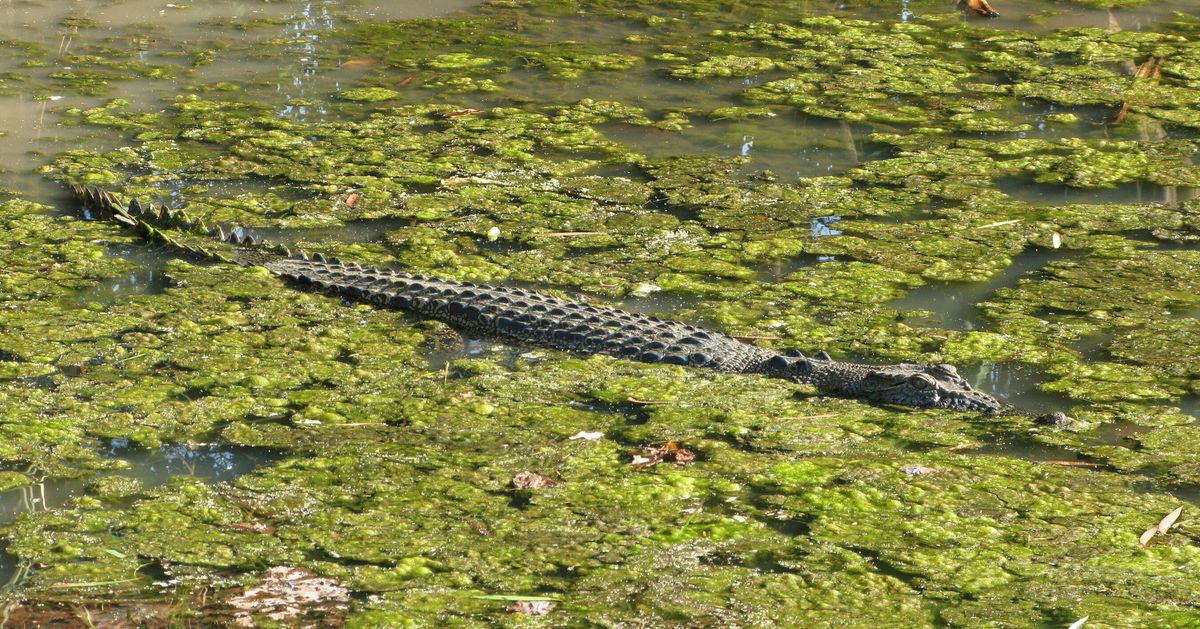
x=527 y=316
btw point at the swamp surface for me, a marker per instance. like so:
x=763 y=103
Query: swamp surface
x=193 y=444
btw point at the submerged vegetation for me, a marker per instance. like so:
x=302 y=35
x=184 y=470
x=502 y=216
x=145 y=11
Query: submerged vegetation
x=785 y=177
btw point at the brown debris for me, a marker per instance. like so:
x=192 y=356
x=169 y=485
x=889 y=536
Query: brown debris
x=666 y=452
x=1159 y=529
x=531 y=480
x=287 y=593
x=981 y=7
x=361 y=63
x=531 y=608
x=1150 y=71
x=458 y=113
x=253 y=527
x=565 y=234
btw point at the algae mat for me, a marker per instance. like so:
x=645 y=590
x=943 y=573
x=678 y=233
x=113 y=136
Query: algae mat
x=779 y=171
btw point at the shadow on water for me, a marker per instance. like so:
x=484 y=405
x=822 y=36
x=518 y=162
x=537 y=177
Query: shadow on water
x=951 y=305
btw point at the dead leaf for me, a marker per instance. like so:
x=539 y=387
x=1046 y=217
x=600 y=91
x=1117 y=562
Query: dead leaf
x=982 y=7
x=916 y=470
x=1078 y=623
x=407 y=80
x=286 y=593
x=587 y=436
x=253 y=527
x=531 y=480
x=1150 y=71
x=465 y=111
x=1087 y=464
x=351 y=199
x=1161 y=528
x=1169 y=520
x=531 y=608
x=359 y=64
x=667 y=452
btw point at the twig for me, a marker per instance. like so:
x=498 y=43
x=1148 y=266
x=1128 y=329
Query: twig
x=1151 y=71
x=566 y=234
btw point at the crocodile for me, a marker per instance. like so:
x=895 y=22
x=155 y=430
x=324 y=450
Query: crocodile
x=526 y=316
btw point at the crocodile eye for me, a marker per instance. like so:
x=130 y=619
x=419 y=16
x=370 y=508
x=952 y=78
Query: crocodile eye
x=921 y=382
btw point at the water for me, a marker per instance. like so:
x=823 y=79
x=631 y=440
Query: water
x=1190 y=405
x=1014 y=383
x=145 y=278
x=214 y=463
x=953 y=305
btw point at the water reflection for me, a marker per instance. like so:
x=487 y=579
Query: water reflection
x=213 y=463
x=1016 y=384
x=822 y=226
x=145 y=278
x=12 y=573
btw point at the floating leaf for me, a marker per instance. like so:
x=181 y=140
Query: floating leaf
x=1169 y=520
x=531 y=480
x=1078 y=623
x=531 y=608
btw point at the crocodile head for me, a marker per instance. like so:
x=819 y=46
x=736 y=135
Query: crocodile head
x=924 y=386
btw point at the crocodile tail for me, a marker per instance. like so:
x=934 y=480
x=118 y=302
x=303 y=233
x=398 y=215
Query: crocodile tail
x=157 y=223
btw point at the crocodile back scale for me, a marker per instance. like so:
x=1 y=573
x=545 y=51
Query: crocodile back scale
x=527 y=316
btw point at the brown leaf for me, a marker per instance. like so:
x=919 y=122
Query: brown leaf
x=287 y=593
x=253 y=527
x=531 y=608
x=1169 y=520
x=916 y=470
x=1150 y=71
x=530 y=480
x=465 y=111
x=351 y=199
x=1161 y=528
x=982 y=7
x=667 y=452
x=407 y=80
x=359 y=64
